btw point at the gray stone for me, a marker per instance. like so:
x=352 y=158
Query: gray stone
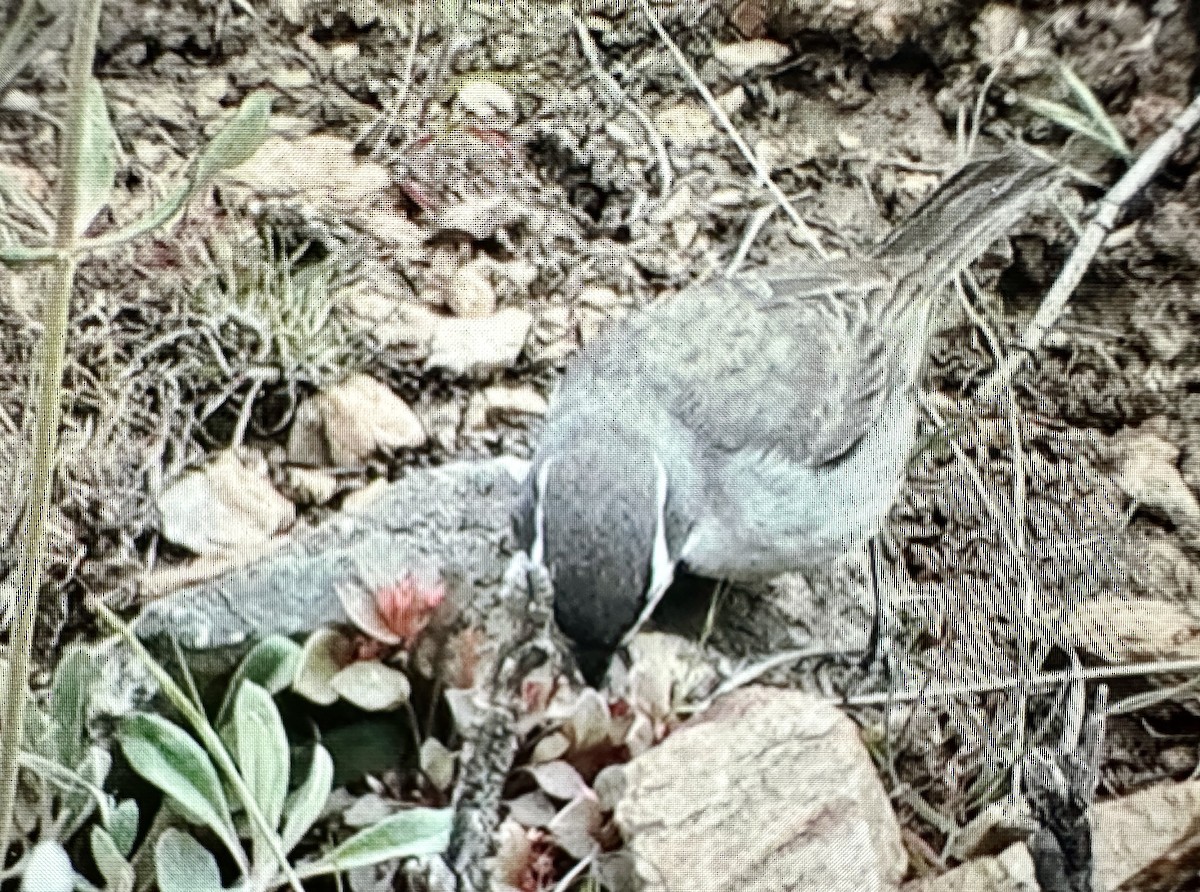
x=455 y=517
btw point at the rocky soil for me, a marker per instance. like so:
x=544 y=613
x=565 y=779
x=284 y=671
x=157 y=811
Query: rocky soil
x=451 y=200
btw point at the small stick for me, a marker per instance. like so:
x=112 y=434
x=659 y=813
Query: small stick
x=665 y=175
x=1055 y=302
x=1042 y=680
x=491 y=743
x=719 y=113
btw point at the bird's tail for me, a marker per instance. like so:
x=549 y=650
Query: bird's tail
x=971 y=209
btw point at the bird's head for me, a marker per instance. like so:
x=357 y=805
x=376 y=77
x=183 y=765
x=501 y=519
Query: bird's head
x=594 y=515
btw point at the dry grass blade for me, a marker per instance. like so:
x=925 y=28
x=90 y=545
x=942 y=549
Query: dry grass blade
x=764 y=175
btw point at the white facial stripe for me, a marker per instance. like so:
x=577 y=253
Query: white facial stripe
x=662 y=567
x=537 y=551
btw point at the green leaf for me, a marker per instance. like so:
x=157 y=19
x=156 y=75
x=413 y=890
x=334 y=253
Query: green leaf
x=39 y=733
x=48 y=869
x=407 y=834
x=98 y=161
x=238 y=140
x=372 y=686
x=235 y=143
x=1099 y=116
x=79 y=801
x=123 y=825
x=304 y=806
x=111 y=862
x=14 y=252
x=183 y=865
x=164 y=754
x=271 y=664
x=156 y=217
x=262 y=749
x=69 y=701
x=1070 y=119
x=1063 y=115
x=321 y=658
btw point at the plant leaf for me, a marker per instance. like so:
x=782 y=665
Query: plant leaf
x=39 y=729
x=304 y=806
x=1069 y=119
x=123 y=825
x=158 y=216
x=183 y=865
x=14 y=252
x=1098 y=114
x=234 y=143
x=237 y=141
x=48 y=869
x=111 y=862
x=418 y=831
x=559 y=779
x=262 y=749
x=271 y=663
x=372 y=686
x=79 y=801
x=322 y=657
x=98 y=160
x=68 y=703
x=164 y=754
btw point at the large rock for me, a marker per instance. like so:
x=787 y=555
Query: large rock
x=455 y=519
x=1010 y=871
x=766 y=790
x=1142 y=839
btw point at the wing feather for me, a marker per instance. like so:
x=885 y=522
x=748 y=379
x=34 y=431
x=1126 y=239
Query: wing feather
x=790 y=363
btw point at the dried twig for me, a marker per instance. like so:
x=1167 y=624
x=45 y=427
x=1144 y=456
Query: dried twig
x=752 y=673
x=1041 y=680
x=757 y=220
x=666 y=177
x=392 y=113
x=1020 y=510
x=980 y=487
x=1055 y=303
x=492 y=743
x=717 y=112
x=1059 y=788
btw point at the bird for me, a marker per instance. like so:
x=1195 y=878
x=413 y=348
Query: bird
x=753 y=425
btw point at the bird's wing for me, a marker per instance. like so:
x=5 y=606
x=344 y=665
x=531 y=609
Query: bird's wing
x=786 y=358
x=855 y=361
x=786 y=362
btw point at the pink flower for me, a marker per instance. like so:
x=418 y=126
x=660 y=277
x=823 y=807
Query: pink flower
x=407 y=606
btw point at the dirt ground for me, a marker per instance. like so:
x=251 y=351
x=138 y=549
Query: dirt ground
x=567 y=162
